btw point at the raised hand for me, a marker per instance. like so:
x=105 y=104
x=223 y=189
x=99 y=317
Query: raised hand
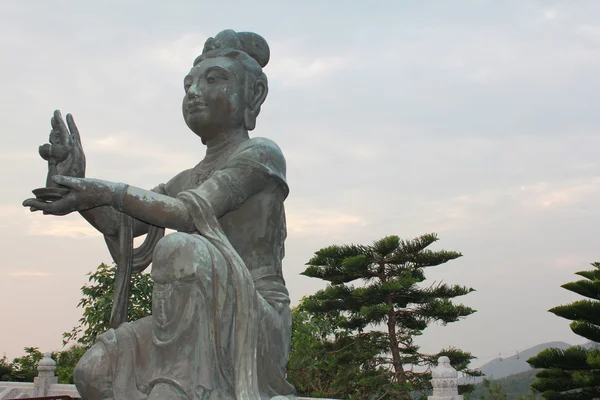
x=64 y=153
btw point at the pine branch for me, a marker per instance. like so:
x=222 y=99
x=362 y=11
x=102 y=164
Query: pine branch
x=587 y=330
x=582 y=310
x=590 y=289
x=560 y=361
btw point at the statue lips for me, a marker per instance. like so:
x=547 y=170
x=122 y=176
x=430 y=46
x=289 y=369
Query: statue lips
x=194 y=106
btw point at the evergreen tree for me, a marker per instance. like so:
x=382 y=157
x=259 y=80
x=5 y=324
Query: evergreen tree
x=388 y=294
x=574 y=373
x=320 y=367
x=494 y=390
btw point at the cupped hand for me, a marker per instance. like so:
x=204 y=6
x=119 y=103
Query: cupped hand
x=65 y=147
x=84 y=195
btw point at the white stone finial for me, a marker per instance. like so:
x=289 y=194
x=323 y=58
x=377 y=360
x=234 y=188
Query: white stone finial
x=45 y=378
x=47 y=361
x=444 y=381
x=46 y=366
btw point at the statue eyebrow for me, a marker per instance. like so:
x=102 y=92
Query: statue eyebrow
x=218 y=69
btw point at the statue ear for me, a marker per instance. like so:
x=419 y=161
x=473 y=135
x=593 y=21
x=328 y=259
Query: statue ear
x=259 y=94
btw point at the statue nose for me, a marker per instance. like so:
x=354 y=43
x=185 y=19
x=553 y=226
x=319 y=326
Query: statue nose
x=194 y=91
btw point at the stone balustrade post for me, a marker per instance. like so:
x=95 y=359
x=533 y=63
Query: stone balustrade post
x=45 y=378
x=444 y=379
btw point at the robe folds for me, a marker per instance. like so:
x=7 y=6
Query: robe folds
x=221 y=328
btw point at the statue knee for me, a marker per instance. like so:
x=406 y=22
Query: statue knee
x=92 y=374
x=180 y=256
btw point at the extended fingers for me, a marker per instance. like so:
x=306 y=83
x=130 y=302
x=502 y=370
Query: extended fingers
x=58 y=207
x=36 y=205
x=76 y=139
x=63 y=132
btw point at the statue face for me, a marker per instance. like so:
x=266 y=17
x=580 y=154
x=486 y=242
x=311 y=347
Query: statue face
x=214 y=96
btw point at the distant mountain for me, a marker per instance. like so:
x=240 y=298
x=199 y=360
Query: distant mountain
x=513 y=373
x=501 y=367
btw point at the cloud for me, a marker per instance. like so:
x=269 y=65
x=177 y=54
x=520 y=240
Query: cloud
x=28 y=274
x=299 y=71
x=482 y=209
x=550 y=14
x=61 y=227
x=591 y=30
x=18 y=156
x=142 y=154
x=545 y=196
x=322 y=222
x=176 y=55
x=568 y=262
x=298 y=64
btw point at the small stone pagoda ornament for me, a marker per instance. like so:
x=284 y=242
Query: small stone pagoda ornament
x=444 y=381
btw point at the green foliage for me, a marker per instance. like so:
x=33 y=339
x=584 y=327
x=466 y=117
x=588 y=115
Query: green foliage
x=66 y=361
x=6 y=370
x=388 y=275
x=494 y=390
x=97 y=304
x=24 y=369
x=574 y=373
x=514 y=387
x=326 y=361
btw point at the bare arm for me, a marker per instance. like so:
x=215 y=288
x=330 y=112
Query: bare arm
x=156 y=209
x=225 y=190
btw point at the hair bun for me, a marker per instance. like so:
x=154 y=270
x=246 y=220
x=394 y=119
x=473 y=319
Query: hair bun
x=249 y=42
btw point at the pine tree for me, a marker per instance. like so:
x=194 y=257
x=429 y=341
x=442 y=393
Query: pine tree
x=388 y=295
x=574 y=373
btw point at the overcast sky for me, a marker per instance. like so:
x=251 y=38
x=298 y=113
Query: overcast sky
x=474 y=119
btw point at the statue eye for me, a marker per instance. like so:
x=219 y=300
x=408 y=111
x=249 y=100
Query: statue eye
x=216 y=76
x=187 y=83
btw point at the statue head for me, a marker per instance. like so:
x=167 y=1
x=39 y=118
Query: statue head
x=226 y=86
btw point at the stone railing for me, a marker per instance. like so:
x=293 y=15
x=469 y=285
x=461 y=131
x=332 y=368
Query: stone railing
x=45 y=384
x=444 y=381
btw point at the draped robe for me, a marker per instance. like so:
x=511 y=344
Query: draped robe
x=221 y=324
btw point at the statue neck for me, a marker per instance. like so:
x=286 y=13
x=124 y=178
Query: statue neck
x=224 y=141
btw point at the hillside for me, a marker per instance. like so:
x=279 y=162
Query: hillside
x=513 y=374
x=514 y=385
x=500 y=368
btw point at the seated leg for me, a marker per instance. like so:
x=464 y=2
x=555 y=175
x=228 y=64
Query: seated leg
x=184 y=268
x=181 y=256
x=92 y=374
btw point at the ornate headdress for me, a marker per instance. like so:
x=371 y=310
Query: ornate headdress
x=248 y=42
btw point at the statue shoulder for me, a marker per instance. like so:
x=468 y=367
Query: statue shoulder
x=262 y=149
x=260 y=154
